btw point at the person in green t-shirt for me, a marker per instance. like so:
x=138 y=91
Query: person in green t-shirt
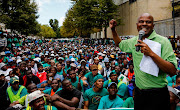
x=121 y=86
x=111 y=100
x=166 y=63
x=75 y=81
x=93 y=95
x=90 y=76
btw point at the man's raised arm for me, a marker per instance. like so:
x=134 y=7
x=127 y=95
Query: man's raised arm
x=112 y=25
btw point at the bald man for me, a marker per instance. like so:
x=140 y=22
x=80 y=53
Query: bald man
x=151 y=92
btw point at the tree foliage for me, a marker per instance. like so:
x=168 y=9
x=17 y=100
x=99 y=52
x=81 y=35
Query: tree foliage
x=20 y=15
x=46 y=32
x=55 y=26
x=87 y=16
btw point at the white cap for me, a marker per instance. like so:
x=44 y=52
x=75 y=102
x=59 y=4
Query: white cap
x=3 y=53
x=72 y=59
x=52 y=55
x=73 y=64
x=35 y=95
x=2 y=64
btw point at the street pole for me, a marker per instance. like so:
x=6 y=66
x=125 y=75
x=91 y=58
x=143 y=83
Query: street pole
x=174 y=26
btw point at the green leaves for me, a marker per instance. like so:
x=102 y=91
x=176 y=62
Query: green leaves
x=88 y=16
x=20 y=15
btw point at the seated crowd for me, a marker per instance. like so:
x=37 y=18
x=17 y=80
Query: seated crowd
x=67 y=76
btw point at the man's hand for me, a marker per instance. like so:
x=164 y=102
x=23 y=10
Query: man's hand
x=112 y=24
x=145 y=48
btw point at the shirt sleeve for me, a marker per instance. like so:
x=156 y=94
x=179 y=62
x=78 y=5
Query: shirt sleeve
x=122 y=90
x=54 y=108
x=167 y=53
x=47 y=91
x=105 y=85
x=86 y=96
x=125 y=104
x=126 y=45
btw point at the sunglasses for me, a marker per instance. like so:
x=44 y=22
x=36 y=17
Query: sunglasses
x=94 y=69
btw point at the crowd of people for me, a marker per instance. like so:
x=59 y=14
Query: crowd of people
x=68 y=75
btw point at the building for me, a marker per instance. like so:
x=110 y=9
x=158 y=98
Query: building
x=161 y=10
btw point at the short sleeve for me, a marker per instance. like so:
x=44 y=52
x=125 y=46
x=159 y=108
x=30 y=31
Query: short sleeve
x=85 y=96
x=122 y=90
x=86 y=75
x=105 y=85
x=77 y=94
x=127 y=45
x=167 y=53
x=47 y=91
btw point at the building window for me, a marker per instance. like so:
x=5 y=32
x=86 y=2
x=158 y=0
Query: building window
x=131 y=1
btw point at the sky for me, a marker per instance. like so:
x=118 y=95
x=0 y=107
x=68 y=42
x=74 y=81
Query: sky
x=52 y=9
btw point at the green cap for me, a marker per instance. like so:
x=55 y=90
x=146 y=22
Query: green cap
x=13 y=80
x=97 y=77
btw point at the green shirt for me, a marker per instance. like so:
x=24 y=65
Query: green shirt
x=46 y=65
x=16 y=41
x=129 y=103
x=60 y=73
x=94 y=97
x=106 y=103
x=144 y=80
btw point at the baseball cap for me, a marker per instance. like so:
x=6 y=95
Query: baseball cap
x=73 y=64
x=35 y=95
x=13 y=80
x=2 y=64
x=112 y=83
x=10 y=60
x=72 y=59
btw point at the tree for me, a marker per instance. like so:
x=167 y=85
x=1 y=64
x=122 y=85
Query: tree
x=86 y=16
x=46 y=32
x=55 y=26
x=20 y=15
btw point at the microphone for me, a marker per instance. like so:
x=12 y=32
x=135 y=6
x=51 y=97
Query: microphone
x=141 y=34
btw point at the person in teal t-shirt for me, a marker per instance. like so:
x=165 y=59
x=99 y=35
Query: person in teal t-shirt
x=90 y=76
x=55 y=87
x=111 y=100
x=93 y=95
x=76 y=82
x=122 y=88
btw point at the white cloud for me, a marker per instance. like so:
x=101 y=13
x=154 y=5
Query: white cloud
x=42 y=2
x=61 y=20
